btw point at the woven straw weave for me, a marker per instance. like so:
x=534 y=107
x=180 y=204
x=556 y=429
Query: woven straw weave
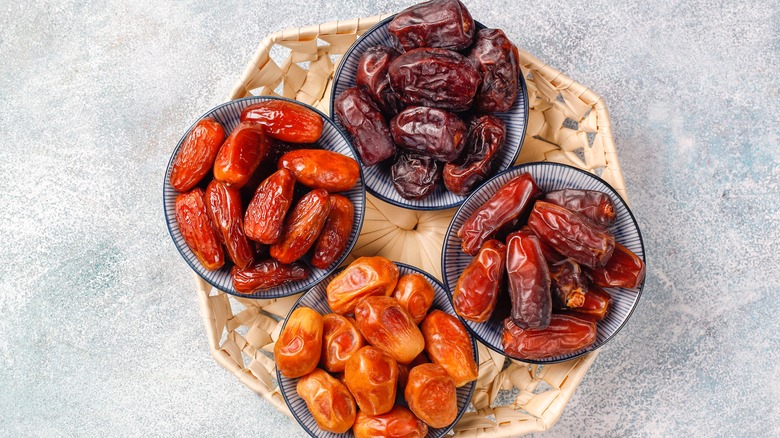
x=568 y=123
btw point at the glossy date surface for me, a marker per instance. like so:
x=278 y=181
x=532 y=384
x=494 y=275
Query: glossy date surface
x=495 y=57
x=623 y=269
x=196 y=155
x=286 y=121
x=431 y=395
x=340 y=340
x=321 y=169
x=484 y=141
x=565 y=334
x=223 y=204
x=448 y=345
x=360 y=116
x=240 y=155
x=329 y=401
x=529 y=282
x=415 y=176
x=266 y=274
x=438 y=23
x=386 y=325
x=335 y=233
x=568 y=284
x=597 y=304
x=364 y=277
x=415 y=294
x=434 y=132
x=298 y=349
x=478 y=287
x=302 y=226
x=372 y=76
x=372 y=377
x=594 y=205
x=197 y=229
x=399 y=422
x=264 y=217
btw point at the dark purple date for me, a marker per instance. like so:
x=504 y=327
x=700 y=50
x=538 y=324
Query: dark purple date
x=433 y=132
x=495 y=58
x=568 y=284
x=361 y=117
x=414 y=175
x=594 y=205
x=484 y=141
x=437 y=23
x=372 y=76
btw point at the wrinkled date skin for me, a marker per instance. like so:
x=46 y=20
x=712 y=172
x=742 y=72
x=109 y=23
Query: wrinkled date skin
x=550 y=255
x=286 y=121
x=266 y=274
x=360 y=116
x=321 y=169
x=478 y=287
x=624 y=269
x=340 y=340
x=298 y=349
x=438 y=23
x=496 y=60
x=363 y=278
x=329 y=401
x=302 y=226
x=431 y=395
x=448 y=345
x=505 y=206
x=414 y=175
x=415 y=294
x=529 y=282
x=436 y=78
x=372 y=76
x=335 y=234
x=571 y=234
x=436 y=133
x=385 y=324
x=265 y=213
x=223 y=204
x=594 y=205
x=596 y=304
x=372 y=376
x=485 y=139
x=565 y=334
x=196 y=155
x=568 y=284
x=398 y=423
x=240 y=155
x=197 y=229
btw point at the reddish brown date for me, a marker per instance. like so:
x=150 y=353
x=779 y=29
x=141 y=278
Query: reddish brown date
x=388 y=326
x=360 y=116
x=298 y=349
x=321 y=169
x=478 y=287
x=437 y=23
x=624 y=269
x=596 y=305
x=286 y=121
x=302 y=226
x=529 y=282
x=484 y=142
x=436 y=133
x=340 y=340
x=504 y=207
x=415 y=175
x=266 y=274
x=398 y=423
x=223 y=204
x=335 y=234
x=550 y=255
x=363 y=278
x=594 y=205
x=329 y=401
x=196 y=155
x=240 y=155
x=568 y=284
x=565 y=334
x=415 y=294
x=372 y=376
x=197 y=229
x=571 y=234
x=448 y=345
x=265 y=213
x=496 y=60
x=372 y=76
x=436 y=78
x=431 y=395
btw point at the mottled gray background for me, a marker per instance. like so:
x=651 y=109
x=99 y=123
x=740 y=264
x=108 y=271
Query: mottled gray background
x=99 y=326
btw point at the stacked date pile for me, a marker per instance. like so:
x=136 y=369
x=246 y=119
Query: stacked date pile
x=554 y=267
x=411 y=102
x=289 y=211
x=354 y=372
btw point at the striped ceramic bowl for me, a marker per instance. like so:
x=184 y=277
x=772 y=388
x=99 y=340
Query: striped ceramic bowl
x=378 y=181
x=549 y=177
x=316 y=299
x=228 y=114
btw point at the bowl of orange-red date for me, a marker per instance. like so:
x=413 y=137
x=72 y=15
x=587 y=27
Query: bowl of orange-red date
x=264 y=197
x=544 y=263
x=376 y=350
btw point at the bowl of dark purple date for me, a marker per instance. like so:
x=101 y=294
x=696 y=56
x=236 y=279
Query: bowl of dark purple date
x=433 y=102
x=544 y=262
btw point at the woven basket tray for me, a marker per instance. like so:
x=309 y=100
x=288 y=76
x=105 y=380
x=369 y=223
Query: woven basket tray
x=241 y=332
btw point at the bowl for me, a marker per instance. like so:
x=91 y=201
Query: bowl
x=333 y=139
x=378 y=180
x=316 y=299
x=549 y=176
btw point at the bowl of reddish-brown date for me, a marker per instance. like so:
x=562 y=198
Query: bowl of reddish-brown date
x=544 y=263
x=434 y=103
x=376 y=350
x=263 y=197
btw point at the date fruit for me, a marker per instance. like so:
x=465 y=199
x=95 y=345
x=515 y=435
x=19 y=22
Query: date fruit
x=197 y=229
x=415 y=294
x=385 y=324
x=476 y=293
x=495 y=57
x=223 y=204
x=340 y=340
x=197 y=153
x=398 y=423
x=264 y=218
x=529 y=282
x=335 y=234
x=372 y=375
x=240 y=155
x=302 y=226
x=360 y=116
x=594 y=205
x=414 y=175
x=286 y=121
x=329 y=401
x=403 y=370
x=597 y=303
x=568 y=285
x=266 y=274
x=437 y=23
x=321 y=169
x=436 y=133
x=448 y=345
x=565 y=334
x=298 y=349
x=485 y=140
x=372 y=76
x=431 y=395
x=364 y=277
x=623 y=269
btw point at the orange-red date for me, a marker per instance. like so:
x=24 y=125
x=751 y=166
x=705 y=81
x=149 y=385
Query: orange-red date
x=398 y=423
x=298 y=349
x=286 y=121
x=224 y=206
x=321 y=169
x=302 y=226
x=624 y=269
x=340 y=340
x=565 y=334
x=329 y=401
x=449 y=346
x=197 y=153
x=364 y=277
x=597 y=303
x=335 y=234
x=372 y=375
x=476 y=293
x=240 y=155
x=431 y=395
x=266 y=274
x=264 y=218
x=387 y=325
x=529 y=281
x=415 y=294
x=197 y=229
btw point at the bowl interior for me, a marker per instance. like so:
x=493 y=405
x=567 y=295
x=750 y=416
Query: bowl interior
x=316 y=299
x=549 y=176
x=228 y=114
x=378 y=180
